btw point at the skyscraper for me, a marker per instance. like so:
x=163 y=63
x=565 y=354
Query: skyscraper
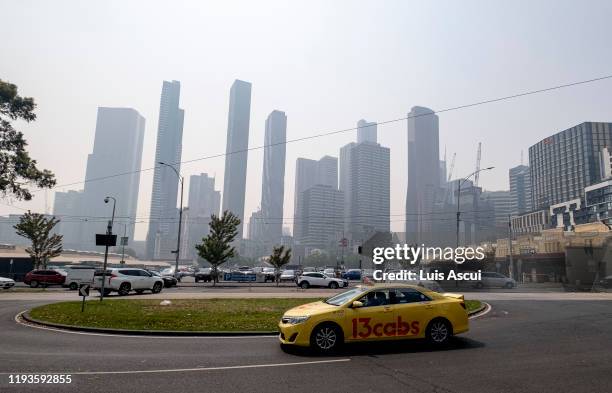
x=203 y=201
x=366 y=131
x=520 y=190
x=320 y=212
x=365 y=183
x=273 y=184
x=66 y=206
x=161 y=237
x=234 y=183
x=117 y=149
x=307 y=174
x=562 y=165
x=423 y=173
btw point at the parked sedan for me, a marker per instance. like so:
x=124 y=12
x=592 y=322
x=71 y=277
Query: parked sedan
x=315 y=279
x=6 y=283
x=203 y=274
x=493 y=279
x=44 y=278
x=169 y=280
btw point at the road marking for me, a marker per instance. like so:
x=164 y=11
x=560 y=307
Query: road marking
x=19 y=319
x=482 y=313
x=180 y=370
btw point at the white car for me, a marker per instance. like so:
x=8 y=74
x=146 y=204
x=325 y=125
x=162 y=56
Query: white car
x=6 y=283
x=287 y=275
x=124 y=280
x=315 y=279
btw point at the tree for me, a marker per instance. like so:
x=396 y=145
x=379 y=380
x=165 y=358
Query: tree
x=37 y=228
x=17 y=169
x=279 y=258
x=216 y=248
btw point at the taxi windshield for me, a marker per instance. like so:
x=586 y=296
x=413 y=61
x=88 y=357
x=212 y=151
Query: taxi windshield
x=344 y=297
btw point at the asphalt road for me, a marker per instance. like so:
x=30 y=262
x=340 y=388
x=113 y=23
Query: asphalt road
x=520 y=346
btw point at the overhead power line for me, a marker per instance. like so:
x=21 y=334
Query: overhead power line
x=341 y=131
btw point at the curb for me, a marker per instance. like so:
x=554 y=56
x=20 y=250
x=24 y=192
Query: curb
x=129 y=332
x=484 y=309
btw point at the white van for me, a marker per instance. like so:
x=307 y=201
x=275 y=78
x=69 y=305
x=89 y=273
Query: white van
x=76 y=275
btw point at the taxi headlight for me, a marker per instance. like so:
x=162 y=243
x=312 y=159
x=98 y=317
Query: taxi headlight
x=295 y=320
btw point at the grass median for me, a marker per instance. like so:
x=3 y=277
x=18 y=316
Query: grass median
x=214 y=315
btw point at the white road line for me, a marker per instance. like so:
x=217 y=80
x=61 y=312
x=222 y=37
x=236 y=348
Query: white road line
x=482 y=313
x=19 y=319
x=180 y=370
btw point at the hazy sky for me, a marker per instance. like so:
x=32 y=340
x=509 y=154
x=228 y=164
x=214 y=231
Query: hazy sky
x=327 y=64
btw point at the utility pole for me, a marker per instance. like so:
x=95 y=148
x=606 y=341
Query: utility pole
x=109 y=232
x=511 y=261
x=459 y=183
x=178 y=237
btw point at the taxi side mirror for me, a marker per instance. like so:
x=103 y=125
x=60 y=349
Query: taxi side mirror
x=356 y=304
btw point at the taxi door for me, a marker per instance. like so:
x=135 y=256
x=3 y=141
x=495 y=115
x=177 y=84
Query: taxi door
x=373 y=321
x=412 y=311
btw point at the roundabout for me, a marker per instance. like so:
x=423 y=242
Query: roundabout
x=522 y=332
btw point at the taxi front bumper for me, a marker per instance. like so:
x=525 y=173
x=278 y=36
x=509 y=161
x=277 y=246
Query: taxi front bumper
x=298 y=334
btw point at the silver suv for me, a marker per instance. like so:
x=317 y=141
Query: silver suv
x=124 y=280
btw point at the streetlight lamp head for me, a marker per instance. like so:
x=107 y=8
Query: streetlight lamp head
x=491 y=167
x=161 y=163
x=106 y=200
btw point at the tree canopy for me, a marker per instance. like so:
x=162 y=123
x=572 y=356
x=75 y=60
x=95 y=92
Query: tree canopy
x=45 y=245
x=17 y=169
x=279 y=258
x=216 y=248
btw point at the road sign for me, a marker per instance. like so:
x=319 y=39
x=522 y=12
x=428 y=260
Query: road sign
x=106 y=240
x=84 y=290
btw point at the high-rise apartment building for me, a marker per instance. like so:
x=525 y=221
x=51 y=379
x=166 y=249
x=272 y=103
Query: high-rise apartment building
x=273 y=183
x=320 y=211
x=203 y=201
x=365 y=183
x=66 y=207
x=161 y=237
x=234 y=183
x=307 y=174
x=423 y=174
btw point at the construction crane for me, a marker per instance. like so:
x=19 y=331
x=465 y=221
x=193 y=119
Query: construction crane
x=477 y=174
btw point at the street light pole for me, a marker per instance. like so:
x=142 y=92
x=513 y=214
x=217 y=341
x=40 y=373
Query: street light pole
x=460 y=182
x=109 y=231
x=178 y=237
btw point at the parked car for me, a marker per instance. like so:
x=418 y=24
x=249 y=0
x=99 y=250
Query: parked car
x=309 y=269
x=493 y=279
x=287 y=275
x=269 y=274
x=329 y=272
x=6 y=283
x=352 y=274
x=315 y=279
x=77 y=275
x=203 y=274
x=124 y=280
x=44 y=278
x=606 y=282
x=169 y=281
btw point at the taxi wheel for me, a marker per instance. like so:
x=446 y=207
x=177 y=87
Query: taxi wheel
x=439 y=331
x=326 y=338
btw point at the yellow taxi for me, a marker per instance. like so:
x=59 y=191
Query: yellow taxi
x=376 y=312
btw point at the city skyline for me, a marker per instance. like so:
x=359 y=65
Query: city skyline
x=429 y=82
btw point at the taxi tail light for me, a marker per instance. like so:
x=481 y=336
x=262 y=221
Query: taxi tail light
x=463 y=305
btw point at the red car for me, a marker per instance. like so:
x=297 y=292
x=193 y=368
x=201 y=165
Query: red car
x=44 y=278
